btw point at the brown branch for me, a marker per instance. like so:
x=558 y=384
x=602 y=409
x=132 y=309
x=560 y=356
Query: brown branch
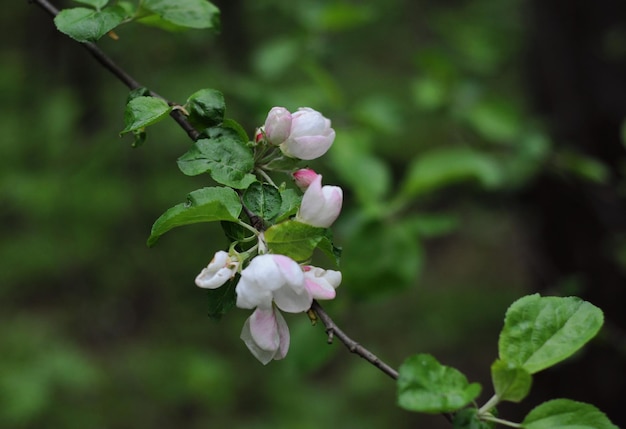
x=334 y=331
x=121 y=74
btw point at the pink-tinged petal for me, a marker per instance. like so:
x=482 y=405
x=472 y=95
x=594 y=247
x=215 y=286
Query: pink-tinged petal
x=320 y=206
x=320 y=289
x=283 y=335
x=291 y=273
x=219 y=271
x=264 y=356
x=264 y=330
x=293 y=301
x=321 y=283
x=278 y=125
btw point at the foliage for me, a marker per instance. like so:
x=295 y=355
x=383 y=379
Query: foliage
x=390 y=219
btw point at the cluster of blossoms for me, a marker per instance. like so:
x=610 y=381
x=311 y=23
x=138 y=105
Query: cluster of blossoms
x=272 y=282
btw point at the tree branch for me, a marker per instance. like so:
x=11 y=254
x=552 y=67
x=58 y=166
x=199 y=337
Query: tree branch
x=334 y=331
x=121 y=74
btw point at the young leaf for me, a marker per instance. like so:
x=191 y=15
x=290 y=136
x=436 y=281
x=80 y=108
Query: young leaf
x=186 y=13
x=541 y=331
x=290 y=202
x=223 y=155
x=143 y=111
x=203 y=205
x=294 y=239
x=222 y=299
x=263 y=200
x=510 y=382
x=88 y=25
x=206 y=108
x=426 y=386
x=566 y=414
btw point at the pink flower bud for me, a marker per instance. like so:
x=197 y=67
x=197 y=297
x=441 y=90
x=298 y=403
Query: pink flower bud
x=221 y=268
x=310 y=135
x=320 y=205
x=277 y=125
x=259 y=134
x=304 y=177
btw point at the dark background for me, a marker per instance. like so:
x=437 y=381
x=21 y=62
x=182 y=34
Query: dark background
x=98 y=331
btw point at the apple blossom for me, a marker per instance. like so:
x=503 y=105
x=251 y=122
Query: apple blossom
x=273 y=278
x=320 y=204
x=305 y=134
x=221 y=268
x=266 y=334
x=304 y=177
x=320 y=283
x=277 y=125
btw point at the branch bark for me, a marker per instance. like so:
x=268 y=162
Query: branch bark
x=332 y=330
x=121 y=74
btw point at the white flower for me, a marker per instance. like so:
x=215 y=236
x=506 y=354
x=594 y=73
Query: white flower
x=305 y=134
x=266 y=334
x=320 y=283
x=273 y=278
x=320 y=205
x=221 y=268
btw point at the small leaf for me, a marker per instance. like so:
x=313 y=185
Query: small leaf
x=98 y=4
x=203 y=205
x=236 y=126
x=88 y=25
x=222 y=299
x=290 y=203
x=510 y=382
x=263 y=200
x=294 y=239
x=223 y=155
x=186 y=13
x=426 y=386
x=143 y=111
x=541 y=331
x=566 y=414
x=206 y=108
x=444 y=167
x=137 y=92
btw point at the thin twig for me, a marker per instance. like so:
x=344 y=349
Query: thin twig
x=121 y=74
x=332 y=330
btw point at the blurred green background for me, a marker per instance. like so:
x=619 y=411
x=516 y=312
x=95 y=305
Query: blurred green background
x=479 y=146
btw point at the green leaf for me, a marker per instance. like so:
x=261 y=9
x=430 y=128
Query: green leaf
x=137 y=92
x=98 y=4
x=566 y=414
x=223 y=155
x=444 y=167
x=143 y=111
x=327 y=246
x=290 y=203
x=294 y=239
x=88 y=25
x=468 y=418
x=186 y=13
x=541 y=331
x=235 y=126
x=203 y=205
x=263 y=200
x=222 y=299
x=206 y=108
x=426 y=386
x=511 y=383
